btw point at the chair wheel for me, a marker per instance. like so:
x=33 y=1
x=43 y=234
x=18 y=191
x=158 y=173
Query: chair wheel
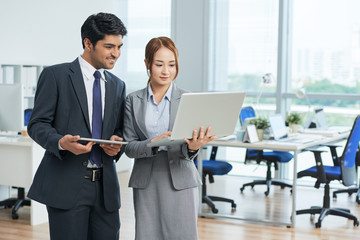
x=357 y=200
x=214 y=210
x=15 y=216
x=356 y=223
x=266 y=193
x=318 y=225
x=233 y=205
x=242 y=189
x=334 y=195
x=350 y=194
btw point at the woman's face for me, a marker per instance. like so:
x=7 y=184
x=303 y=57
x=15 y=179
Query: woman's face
x=163 y=69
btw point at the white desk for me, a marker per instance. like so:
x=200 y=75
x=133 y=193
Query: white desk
x=269 y=145
x=20 y=158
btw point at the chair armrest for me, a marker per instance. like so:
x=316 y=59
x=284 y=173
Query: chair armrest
x=321 y=176
x=333 y=152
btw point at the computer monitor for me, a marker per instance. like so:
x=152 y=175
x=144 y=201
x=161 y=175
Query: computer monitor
x=11 y=107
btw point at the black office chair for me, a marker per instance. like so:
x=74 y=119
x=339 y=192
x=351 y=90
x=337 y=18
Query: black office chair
x=16 y=203
x=351 y=190
x=213 y=167
x=270 y=157
x=344 y=172
x=20 y=200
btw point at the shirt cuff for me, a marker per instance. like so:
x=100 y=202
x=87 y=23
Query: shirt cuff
x=60 y=148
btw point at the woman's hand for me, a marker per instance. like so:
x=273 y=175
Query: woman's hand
x=164 y=135
x=199 y=140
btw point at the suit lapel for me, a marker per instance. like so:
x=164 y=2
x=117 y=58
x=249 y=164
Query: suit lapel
x=174 y=104
x=79 y=87
x=139 y=107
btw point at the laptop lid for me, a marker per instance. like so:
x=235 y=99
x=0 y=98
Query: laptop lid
x=320 y=118
x=278 y=127
x=220 y=110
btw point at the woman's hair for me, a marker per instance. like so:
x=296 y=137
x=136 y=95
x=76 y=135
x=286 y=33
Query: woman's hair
x=154 y=45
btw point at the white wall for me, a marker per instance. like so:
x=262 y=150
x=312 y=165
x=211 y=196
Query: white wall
x=44 y=32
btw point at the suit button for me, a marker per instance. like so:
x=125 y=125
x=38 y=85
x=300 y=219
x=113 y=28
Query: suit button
x=85 y=163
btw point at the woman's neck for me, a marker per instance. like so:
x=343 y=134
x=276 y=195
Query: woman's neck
x=159 y=91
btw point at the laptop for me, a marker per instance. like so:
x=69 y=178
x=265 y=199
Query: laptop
x=219 y=110
x=321 y=123
x=278 y=127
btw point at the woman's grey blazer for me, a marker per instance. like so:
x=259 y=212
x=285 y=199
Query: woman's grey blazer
x=182 y=168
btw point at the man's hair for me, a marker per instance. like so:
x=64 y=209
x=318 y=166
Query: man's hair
x=98 y=25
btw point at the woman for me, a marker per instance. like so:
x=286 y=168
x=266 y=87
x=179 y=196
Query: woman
x=164 y=180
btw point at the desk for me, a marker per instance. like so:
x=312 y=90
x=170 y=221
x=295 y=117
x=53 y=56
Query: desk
x=269 y=145
x=20 y=158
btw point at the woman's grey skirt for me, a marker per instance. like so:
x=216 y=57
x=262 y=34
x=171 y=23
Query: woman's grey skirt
x=161 y=211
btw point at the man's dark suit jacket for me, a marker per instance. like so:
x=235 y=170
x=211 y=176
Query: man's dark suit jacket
x=61 y=108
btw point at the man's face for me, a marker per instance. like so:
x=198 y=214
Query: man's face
x=106 y=51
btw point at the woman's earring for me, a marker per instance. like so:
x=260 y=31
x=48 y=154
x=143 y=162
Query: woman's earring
x=148 y=72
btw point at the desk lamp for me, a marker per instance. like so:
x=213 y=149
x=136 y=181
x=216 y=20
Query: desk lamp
x=267 y=79
x=301 y=93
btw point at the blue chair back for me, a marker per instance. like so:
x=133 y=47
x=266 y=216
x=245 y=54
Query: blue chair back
x=27 y=114
x=246 y=112
x=348 y=158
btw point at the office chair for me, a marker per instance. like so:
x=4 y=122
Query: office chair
x=20 y=201
x=344 y=172
x=213 y=167
x=350 y=190
x=27 y=115
x=270 y=157
x=335 y=158
x=16 y=203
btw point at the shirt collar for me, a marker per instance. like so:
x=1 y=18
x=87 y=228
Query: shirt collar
x=167 y=94
x=88 y=70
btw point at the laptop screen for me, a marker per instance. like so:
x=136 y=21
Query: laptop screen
x=278 y=127
x=320 y=118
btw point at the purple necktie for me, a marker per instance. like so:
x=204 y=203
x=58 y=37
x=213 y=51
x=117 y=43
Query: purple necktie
x=95 y=154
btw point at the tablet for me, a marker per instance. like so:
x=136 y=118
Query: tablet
x=101 y=141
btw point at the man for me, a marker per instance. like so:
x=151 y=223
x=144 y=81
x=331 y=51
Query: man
x=76 y=181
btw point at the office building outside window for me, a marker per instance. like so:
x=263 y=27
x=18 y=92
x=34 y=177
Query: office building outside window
x=326 y=55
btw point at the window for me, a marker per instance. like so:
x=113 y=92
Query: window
x=251 y=46
x=326 y=55
x=145 y=20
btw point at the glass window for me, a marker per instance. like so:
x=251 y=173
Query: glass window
x=251 y=47
x=145 y=20
x=243 y=51
x=326 y=55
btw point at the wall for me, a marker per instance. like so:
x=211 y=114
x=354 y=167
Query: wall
x=44 y=32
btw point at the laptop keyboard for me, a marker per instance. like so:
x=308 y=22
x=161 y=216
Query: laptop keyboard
x=296 y=140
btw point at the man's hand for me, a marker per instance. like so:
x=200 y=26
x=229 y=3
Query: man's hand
x=70 y=143
x=199 y=140
x=112 y=149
